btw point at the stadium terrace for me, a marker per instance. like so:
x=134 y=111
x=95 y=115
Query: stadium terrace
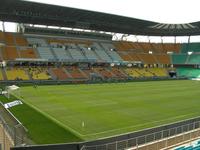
x=82 y=80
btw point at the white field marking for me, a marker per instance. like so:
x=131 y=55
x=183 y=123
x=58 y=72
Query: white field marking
x=52 y=118
x=97 y=133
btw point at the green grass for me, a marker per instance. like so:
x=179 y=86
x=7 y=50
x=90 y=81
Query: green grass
x=105 y=109
x=41 y=129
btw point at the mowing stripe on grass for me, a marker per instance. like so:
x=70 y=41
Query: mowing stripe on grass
x=143 y=124
x=41 y=129
x=50 y=117
x=114 y=109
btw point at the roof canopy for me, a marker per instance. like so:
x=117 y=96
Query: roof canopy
x=44 y=14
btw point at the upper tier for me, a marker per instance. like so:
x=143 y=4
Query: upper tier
x=21 y=47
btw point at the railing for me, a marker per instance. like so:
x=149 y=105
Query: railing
x=5 y=141
x=144 y=139
x=14 y=129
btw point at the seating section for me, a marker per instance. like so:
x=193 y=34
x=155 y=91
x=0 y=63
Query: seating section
x=61 y=54
x=135 y=57
x=119 y=73
x=146 y=47
x=20 y=40
x=39 y=73
x=126 y=57
x=54 y=49
x=141 y=47
x=75 y=72
x=115 y=56
x=104 y=72
x=195 y=145
x=124 y=46
x=72 y=72
x=179 y=58
x=192 y=47
x=175 y=48
x=147 y=58
x=9 y=39
x=188 y=72
x=101 y=53
x=144 y=72
x=89 y=72
x=89 y=53
x=27 y=53
x=110 y=49
x=72 y=52
x=76 y=54
x=158 y=72
x=37 y=41
x=130 y=51
x=62 y=41
x=16 y=74
x=163 y=58
x=194 y=59
x=45 y=53
x=133 y=73
x=60 y=73
x=1 y=36
x=147 y=72
x=135 y=51
x=1 y=75
x=10 y=53
x=17 y=46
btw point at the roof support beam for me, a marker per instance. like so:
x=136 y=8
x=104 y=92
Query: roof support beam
x=188 y=44
x=3 y=26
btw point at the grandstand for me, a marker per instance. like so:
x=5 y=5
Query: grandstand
x=16 y=74
x=109 y=104
x=1 y=76
x=38 y=73
x=53 y=50
x=194 y=145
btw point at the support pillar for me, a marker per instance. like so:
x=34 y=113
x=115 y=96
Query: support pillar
x=3 y=27
x=188 y=45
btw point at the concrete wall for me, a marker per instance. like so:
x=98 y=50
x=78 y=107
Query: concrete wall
x=130 y=140
x=5 y=141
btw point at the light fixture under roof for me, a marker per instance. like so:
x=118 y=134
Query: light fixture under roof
x=173 y=26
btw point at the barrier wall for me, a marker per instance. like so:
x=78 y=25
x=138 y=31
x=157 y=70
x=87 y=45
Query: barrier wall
x=12 y=132
x=127 y=140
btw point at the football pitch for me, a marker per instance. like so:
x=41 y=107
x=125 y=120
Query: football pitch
x=93 y=111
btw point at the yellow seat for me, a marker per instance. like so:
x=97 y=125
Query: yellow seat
x=1 y=75
x=39 y=73
x=132 y=73
x=16 y=73
x=160 y=72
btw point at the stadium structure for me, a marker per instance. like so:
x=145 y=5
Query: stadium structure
x=69 y=82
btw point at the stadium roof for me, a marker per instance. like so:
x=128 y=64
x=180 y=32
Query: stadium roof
x=51 y=15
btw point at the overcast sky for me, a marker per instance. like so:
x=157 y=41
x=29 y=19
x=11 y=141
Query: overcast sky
x=163 y=11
